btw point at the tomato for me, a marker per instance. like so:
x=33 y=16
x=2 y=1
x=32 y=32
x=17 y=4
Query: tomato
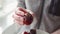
x=28 y=18
x=26 y=33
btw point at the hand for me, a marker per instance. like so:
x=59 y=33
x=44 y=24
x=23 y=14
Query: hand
x=22 y=16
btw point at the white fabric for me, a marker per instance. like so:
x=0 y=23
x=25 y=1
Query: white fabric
x=8 y=7
x=12 y=30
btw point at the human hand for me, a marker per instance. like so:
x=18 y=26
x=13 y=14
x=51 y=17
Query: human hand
x=22 y=16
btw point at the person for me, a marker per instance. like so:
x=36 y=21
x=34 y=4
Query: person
x=49 y=22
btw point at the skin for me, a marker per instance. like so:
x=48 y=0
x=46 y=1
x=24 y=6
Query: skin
x=19 y=17
x=22 y=16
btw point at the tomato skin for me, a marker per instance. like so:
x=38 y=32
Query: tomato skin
x=28 y=19
x=26 y=33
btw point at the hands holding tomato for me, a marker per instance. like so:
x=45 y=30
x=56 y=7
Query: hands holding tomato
x=23 y=16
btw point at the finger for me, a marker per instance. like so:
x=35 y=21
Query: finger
x=26 y=11
x=18 y=22
x=19 y=18
x=15 y=16
x=19 y=12
x=23 y=10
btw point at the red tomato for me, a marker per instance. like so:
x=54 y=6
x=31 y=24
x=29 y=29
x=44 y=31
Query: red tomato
x=26 y=33
x=28 y=18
